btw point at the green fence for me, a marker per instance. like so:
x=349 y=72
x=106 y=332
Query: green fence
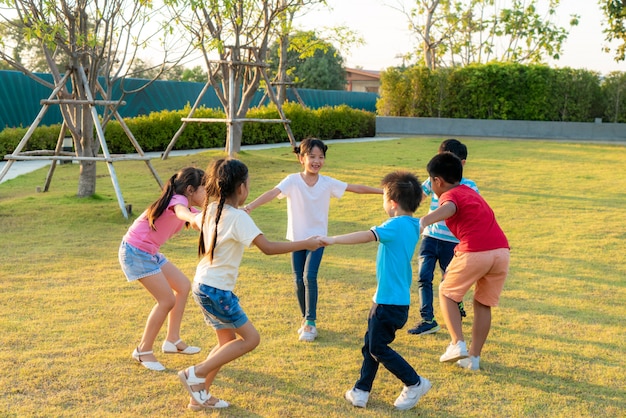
x=20 y=98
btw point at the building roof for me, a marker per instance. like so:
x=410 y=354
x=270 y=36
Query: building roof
x=363 y=75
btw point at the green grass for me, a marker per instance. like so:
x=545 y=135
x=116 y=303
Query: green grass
x=69 y=320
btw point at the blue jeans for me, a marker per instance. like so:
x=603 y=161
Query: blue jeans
x=431 y=250
x=382 y=324
x=305 y=265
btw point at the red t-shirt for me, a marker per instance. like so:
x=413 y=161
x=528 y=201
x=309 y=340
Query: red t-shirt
x=474 y=222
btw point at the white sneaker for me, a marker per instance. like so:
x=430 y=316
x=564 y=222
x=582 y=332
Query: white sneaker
x=454 y=352
x=308 y=334
x=411 y=394
x=470 y=363
x=357 y=397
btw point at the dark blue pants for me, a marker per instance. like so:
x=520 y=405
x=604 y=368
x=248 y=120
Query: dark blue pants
x=431 y=250
x=305 y=265
x=382 y=324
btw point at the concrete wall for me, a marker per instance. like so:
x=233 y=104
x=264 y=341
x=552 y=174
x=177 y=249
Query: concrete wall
x=501 y=128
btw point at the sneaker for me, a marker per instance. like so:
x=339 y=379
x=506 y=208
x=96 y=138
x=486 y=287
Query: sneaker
x=469 y=363
x=425 y=327
x=308 y=334
x=357 y=397
x=454 y=352
x=411 y=394
x=462 y=309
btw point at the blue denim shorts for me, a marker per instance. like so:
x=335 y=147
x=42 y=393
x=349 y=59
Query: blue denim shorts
x=221 y=308
x=137 y=264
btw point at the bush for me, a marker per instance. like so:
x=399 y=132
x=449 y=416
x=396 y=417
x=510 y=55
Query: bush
x=505 y=91
x=155 y=131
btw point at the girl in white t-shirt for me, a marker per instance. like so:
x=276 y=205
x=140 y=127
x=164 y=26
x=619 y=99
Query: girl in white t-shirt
x=226 y=231
x=142 y=261
x=308 y=199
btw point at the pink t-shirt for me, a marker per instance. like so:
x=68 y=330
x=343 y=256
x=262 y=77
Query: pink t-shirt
x=474 y=222
x=141 y=236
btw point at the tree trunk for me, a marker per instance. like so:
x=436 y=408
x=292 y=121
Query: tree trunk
x=233 y=144
x=89 y=147
x=282 y=70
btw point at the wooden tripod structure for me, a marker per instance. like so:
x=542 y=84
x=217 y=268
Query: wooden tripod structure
x=230 y=117
x=59 y=155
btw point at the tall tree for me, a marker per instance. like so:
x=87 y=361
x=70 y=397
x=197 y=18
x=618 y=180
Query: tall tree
x=308 y=62
x=615 y=30
x=101 y=37
x=478 y=31
x=234 y=37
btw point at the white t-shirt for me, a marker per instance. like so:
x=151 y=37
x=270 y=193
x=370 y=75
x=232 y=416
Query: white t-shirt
x=307 y=206
x=236 y=230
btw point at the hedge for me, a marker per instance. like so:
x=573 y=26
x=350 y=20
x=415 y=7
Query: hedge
x=155 y=131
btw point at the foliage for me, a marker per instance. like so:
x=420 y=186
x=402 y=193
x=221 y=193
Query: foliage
x=155 y=131
x=70 y=320
x=615 y=30
x=311 y=62
x=462 y=32
x=504 y=91
x=614 y=93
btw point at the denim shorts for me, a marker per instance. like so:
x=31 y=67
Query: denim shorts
x=137 y=264
x=221 y=308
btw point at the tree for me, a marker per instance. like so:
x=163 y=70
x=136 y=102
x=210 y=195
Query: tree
x=615 y=13
x=234 y=38
x=196 y=74
x=309 y=62
x=96 y=42
x=478 y=31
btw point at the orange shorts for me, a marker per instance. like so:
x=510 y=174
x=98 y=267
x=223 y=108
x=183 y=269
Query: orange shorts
x=488 y=269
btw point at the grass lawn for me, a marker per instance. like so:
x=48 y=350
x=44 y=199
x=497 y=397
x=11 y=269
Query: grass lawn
x=69 y=320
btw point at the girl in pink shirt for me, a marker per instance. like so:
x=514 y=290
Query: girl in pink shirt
x=141 y=260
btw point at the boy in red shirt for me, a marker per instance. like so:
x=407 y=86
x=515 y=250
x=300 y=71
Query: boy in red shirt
x=481 y=257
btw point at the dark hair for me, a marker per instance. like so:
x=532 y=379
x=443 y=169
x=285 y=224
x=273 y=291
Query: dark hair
x=177 y=184
x=223 y=178
x=403 y=188
x=446 y=166
x=454 y=146
x=308 y=144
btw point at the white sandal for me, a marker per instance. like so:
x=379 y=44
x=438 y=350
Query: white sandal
x=150 y=365
x=172 y=348
x=195 y=386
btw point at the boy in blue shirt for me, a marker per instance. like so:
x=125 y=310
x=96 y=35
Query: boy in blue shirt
x=437 y=245
x=397 y=237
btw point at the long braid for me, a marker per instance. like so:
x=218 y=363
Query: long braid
x=224 y=176
x=218 y=215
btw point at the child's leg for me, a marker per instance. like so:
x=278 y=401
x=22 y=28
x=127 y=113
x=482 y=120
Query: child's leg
x=480 y=328
x=298 y=260
x=181 y=286
x=382 y=327
x=427 y=260
x=311 y=268
x=451 y=316
x=246 y=338
x=161 y=291
x=486 y=295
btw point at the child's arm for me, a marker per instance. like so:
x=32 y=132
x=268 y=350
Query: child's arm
x=441 y=213
x=184 y=214
x=360 y=237
x=273 y=247
x=359 y=188
x=261 y=200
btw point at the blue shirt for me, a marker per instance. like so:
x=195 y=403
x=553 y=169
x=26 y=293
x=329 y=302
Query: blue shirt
x=397 y=239
x=439 y=230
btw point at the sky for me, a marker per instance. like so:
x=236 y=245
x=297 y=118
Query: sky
x=386 y=36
